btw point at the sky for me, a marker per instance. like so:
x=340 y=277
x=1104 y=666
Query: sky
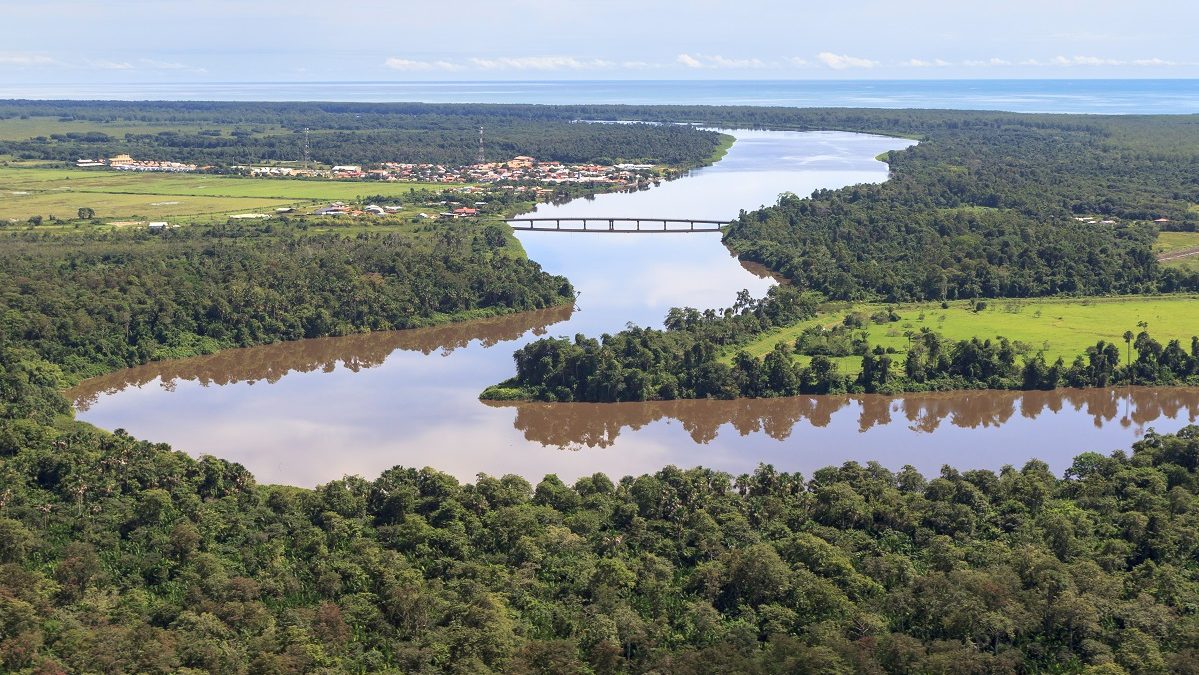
x=472 y=40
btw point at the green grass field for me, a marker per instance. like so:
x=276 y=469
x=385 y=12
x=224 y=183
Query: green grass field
x=1055 y=326
x=1168 y=242
x=124 y=196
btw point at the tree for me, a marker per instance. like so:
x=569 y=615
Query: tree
x=1128 y=341
x=86 y=213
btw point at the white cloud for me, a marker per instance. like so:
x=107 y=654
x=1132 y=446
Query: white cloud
x=723 y=62
x=166 y=65
x=25 y=59
x=103 y=64
x=540 y=63
x=922 y=63
x=993 y=61
x=1084 y=61
x=1154 y=62
x=1100 y=61
x=798 y=62
x=715 y=61
x=844 y=61
x=411 y=65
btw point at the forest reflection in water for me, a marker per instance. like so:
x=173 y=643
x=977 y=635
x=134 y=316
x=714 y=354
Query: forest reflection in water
x=598 y=425
x=270 y=363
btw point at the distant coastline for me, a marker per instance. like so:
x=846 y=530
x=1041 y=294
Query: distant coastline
x=1094 y=96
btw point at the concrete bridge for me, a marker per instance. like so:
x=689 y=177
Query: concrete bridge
x=618 y=225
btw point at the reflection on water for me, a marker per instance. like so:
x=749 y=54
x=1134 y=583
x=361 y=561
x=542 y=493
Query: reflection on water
x=291 y=415
x=270 y=363
x=598 y=425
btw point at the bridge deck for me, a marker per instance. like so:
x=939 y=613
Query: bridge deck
x=618 y=225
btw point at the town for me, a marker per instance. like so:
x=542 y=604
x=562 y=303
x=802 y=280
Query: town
x=520 y=169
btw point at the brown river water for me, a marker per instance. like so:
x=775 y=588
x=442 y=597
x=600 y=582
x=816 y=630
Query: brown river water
x=308 y=412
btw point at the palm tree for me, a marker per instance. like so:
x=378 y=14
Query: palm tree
x=1128 y=341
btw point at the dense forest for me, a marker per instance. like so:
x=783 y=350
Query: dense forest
x=222 y=134
x=95 y=302
x=989 y=211
x=118 y=555
x=686 y=360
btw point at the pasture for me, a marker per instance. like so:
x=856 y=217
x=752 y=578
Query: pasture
x=1055 y=326
x=115 y=195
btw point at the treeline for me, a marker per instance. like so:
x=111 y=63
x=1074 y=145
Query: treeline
x=118 y=555
x=685 y=361
x=238 y=133
x=95 y=302
x=645 y=364
x=987 y=207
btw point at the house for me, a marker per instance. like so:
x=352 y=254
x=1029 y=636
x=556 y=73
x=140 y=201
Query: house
x=1162 y=220
x=375 y=210
x=157 y=226
x=120 y=160
x=465 y=211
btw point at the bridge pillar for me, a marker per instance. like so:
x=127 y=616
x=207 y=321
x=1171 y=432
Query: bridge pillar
x=693 y=226
x=611 y=225
x=557 y=224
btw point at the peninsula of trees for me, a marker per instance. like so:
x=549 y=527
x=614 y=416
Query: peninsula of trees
x=987 y=205
x=118 y=555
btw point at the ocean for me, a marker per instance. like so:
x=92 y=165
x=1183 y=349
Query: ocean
x=1052 y=96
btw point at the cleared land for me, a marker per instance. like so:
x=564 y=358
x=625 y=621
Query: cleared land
x=1178 y=249
x=1057 y=327
x=124 y=196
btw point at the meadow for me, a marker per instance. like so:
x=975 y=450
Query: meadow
x=26 y=192
x=1055 y=326
x=1170 y=242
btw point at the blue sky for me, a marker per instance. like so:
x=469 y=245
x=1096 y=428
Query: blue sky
x=298 y=40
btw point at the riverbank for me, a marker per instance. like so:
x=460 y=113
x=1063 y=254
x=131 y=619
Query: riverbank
x=705 y=355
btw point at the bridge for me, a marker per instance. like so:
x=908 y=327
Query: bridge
x=618 y=225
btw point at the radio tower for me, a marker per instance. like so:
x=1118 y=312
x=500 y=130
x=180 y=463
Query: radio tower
x=480 y=158
x=307 y=159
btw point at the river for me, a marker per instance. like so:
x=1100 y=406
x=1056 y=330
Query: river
x=307 y=412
